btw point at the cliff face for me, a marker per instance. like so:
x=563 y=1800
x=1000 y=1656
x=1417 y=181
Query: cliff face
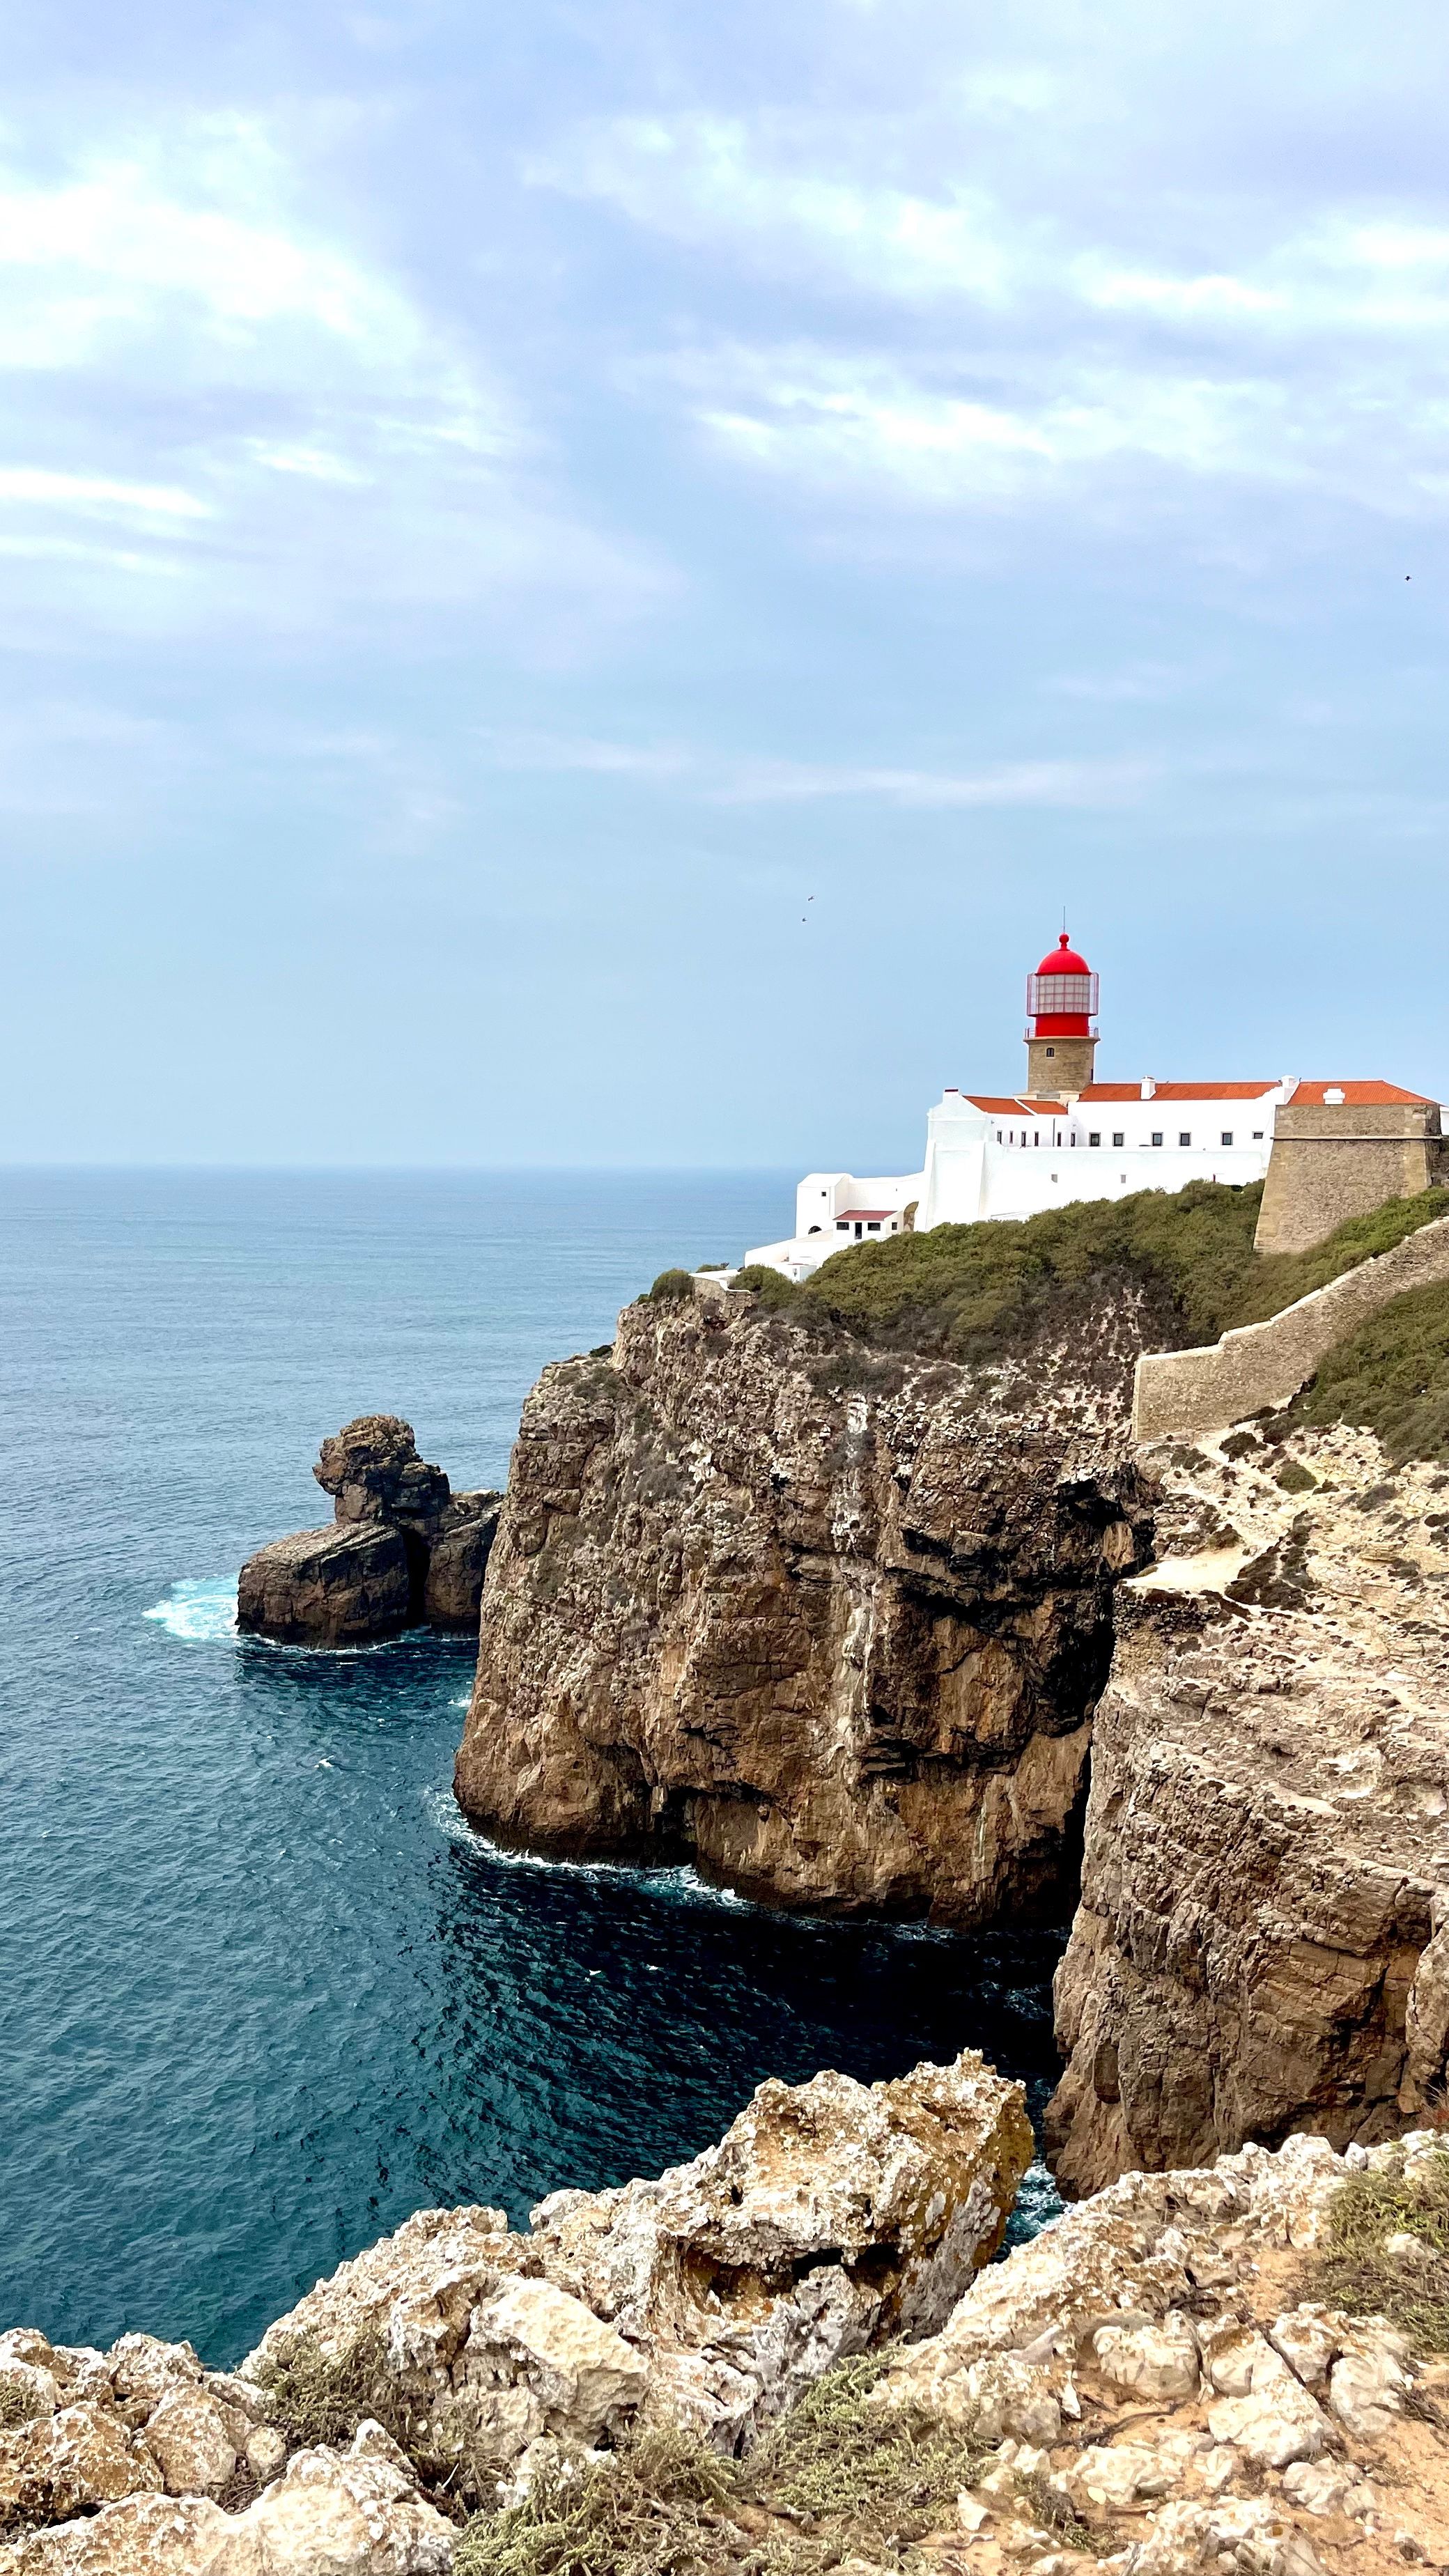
x=1262 y=1943
x=832 y=1624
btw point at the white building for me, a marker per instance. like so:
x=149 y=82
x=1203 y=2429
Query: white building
x=993 y=1155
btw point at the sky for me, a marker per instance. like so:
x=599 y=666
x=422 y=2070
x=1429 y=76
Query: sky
x=590 y=583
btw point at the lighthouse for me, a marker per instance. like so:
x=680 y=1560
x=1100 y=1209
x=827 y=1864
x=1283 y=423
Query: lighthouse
x=1061 y=1043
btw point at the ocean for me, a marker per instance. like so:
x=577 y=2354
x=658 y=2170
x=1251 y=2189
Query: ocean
x=262 y=1991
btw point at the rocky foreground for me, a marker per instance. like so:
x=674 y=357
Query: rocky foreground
x=661 y=2376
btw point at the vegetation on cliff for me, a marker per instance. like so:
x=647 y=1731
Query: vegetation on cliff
x=835 y=2479
x=1369 y=2267
x=983 y=1291
x=1390 y=1377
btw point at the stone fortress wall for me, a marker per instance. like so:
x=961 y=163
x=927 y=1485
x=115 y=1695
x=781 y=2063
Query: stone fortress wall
x=1182 y=1392
x=1330 y=1163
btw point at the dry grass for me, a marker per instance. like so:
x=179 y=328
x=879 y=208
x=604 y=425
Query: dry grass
x=323 y=2397
x=1353 y=2271
x=656 y=2508
x=18 y=2405
x=835 y=2478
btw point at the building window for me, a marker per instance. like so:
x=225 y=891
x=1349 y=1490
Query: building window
x=840 y=1226
x=1257 y=1135
x=1227 y=1136
x=1051 y=1050
x=998 y=1135
x=1157 y=1135
x=1119 y=1139
x=1094 y=1136
x=1184 y=1135
x=872 y=1225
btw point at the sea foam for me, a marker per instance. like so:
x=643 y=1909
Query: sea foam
x=200 y=1612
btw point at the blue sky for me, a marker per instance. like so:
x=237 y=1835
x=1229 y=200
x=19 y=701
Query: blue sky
x=584 y=583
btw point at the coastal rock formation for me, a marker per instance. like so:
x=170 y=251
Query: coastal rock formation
x=833 y=1623
x=830 y=2216
x=1262 y=1942
x=1157 y=2382
x=1148 y=2376
x=403 y=1548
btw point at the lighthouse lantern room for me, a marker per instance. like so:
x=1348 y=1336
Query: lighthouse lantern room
x=1061 y=1043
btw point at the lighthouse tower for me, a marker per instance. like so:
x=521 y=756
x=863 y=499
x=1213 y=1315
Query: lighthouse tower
x=1061 y=1043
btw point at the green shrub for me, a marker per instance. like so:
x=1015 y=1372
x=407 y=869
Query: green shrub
x=842 y=2460
x=671 y=1288
x=771 y=1286
x=1391 y=1377
x=1354 y=2272
x=980 y=1291
x=314 y=2396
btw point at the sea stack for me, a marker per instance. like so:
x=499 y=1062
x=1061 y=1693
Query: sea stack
x=402 y=1549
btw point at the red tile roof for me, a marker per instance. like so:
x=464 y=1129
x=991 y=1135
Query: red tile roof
x=1016 y=1108
x=859 y=1216
x=1125 y=1091
x=1358 y=1095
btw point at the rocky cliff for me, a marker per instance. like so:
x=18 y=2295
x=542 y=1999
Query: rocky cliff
x=831 y=1622
x=1262 y=1942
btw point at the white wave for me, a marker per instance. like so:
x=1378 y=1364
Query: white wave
x=203 y=1613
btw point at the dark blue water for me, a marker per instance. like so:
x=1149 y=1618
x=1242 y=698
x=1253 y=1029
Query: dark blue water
x=261 y=1992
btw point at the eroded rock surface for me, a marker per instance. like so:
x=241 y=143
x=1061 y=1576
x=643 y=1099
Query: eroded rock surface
x=1148 y=2376
x=830 y=2216
x=402 y=1548
x=833 y=1624
x=1262 y=1942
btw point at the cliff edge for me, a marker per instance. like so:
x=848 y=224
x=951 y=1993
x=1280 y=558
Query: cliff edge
x=830 y=1621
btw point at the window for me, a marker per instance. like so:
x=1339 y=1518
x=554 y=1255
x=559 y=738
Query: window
x=1157 y=1135
x=873 y=1225
x=1257 y=1135
x=1051 y=1050
x=1184 y=1135
x=998 y=1135
x=1227 y=1136
x=841 y=1226
x=1095 y=1136
x=1119 y=1139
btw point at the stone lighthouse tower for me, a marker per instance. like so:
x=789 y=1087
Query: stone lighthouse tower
x=1061 y=1043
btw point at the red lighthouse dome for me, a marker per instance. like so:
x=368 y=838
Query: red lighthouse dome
x=1061 y=996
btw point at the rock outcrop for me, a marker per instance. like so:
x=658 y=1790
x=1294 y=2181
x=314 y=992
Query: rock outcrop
x=1156 y=2382
x=831 y=2216
x=832 y=1624
x=403 y=1548
x=1262 y=1942
x=1148 y=2378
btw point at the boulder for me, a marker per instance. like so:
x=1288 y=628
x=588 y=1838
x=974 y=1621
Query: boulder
x=402 y=1548
x=831 y=2216
x=372 y=1469
x=353 y=2513
x=330 y=1587
x=191 y=2442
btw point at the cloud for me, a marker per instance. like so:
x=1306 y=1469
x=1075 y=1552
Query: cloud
x=1001 y=331
x=280 y=432
x=718 y=779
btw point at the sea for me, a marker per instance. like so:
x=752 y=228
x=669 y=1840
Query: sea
x=262 y=1991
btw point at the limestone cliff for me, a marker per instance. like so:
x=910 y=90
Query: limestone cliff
x=831 y=1622
x=1263 y=1937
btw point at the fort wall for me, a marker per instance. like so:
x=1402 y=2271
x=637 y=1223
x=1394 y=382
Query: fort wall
x=1330 y=1163
x=1180 y=1392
